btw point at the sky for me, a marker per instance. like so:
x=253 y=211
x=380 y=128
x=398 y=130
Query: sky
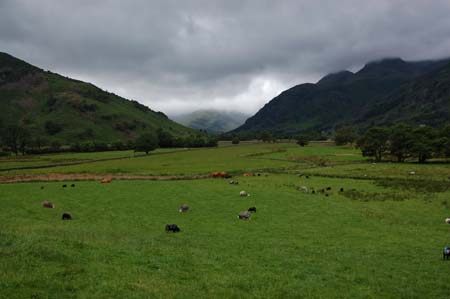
x=181 y=56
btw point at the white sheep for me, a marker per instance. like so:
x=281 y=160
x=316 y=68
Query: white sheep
x=244 y=193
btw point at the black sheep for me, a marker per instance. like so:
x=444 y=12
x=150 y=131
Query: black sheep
x=73 y=185
x=172 y=228
x=66 y=216
x=252 y=209
x=64 y=186
x=446 y=253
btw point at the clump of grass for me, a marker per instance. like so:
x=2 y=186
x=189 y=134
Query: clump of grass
x=373 y=196
x=423 y=186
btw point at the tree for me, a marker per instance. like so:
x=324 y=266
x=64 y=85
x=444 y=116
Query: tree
x=52 y=128
x=266 y=136
x=401 y=141
x=345 y=135
x=235 y=140
x=15 y=138
x=423 y=143
x=302 y=140
x=165 y=138
x=374 y=143
x=146 y=142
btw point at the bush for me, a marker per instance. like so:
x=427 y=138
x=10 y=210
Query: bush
x=235 y=140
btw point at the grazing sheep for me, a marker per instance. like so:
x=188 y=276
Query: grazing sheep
x=252 y=209
x=172 y=228
x=47 y=204
x=412 y=173
x=106 y=180
x=73 y=185
x=300 y=175
x=42 y=187
x=66 y=216
x=245 y=215
x=258 y=174
x=64 y=186
x=446 y=253
x=304 y=188
x=307 y=176
x=447 y=220
x=184 y=208
x=234 y=183
x=341 y=190
x=328 y=188
x=326 y=194
x=313 y=192
x=244 y=193
x=248 y=174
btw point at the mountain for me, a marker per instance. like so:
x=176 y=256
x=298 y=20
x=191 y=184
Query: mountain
x=61 y=109
x=213 y=121
x=382 y=92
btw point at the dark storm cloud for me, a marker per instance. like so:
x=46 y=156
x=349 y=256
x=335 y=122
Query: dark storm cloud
x=185 y=55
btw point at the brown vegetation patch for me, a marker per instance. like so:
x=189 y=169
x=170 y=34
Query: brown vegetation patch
x=55 y=177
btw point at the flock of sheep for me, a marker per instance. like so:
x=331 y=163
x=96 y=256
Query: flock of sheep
x=244 y=215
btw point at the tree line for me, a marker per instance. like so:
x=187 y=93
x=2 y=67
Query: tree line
x=399 y=142
x=19 y=140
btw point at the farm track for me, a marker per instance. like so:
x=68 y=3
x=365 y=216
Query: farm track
x=57 y=177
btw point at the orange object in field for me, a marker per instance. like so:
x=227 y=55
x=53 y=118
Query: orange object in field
x=106 y=180
x=248 y=174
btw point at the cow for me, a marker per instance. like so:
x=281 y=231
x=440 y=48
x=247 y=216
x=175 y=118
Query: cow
x=47 y=204
x=220 y=174
x=66 y=216
x=184 y=208
x=446 y=253
x=245 y=215
x=106 y=180
x=252 y=209
x=172 y=228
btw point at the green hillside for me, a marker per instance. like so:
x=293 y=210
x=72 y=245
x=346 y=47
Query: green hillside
x=390 y=86
x=58 y=108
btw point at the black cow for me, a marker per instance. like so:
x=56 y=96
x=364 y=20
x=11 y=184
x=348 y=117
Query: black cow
x=252 y=209
x=446 y=253
x=172 y=228
x=66 y=216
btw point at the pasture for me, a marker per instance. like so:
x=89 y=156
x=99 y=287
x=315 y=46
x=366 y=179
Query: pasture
x=382 y=237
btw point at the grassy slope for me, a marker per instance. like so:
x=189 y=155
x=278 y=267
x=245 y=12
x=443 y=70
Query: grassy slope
x=32 y=96
x=386 y=243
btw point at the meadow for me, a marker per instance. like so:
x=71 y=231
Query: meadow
x=382 y=237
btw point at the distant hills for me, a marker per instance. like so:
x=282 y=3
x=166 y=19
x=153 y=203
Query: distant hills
x=213 y=121
x=382 y=92
x=58 y=108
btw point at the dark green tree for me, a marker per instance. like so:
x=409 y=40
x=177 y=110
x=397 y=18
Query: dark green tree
x=401 y=141
x=165 y=138
x=345 y=135
x=302 y=140
x=423 y=144
x=146 y=142
x=266 y=136
x=235 y=140
x=374 y=142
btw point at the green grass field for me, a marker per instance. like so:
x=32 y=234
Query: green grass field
x=380 y=238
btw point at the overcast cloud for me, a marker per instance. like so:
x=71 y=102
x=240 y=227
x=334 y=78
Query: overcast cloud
x=179 y=56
